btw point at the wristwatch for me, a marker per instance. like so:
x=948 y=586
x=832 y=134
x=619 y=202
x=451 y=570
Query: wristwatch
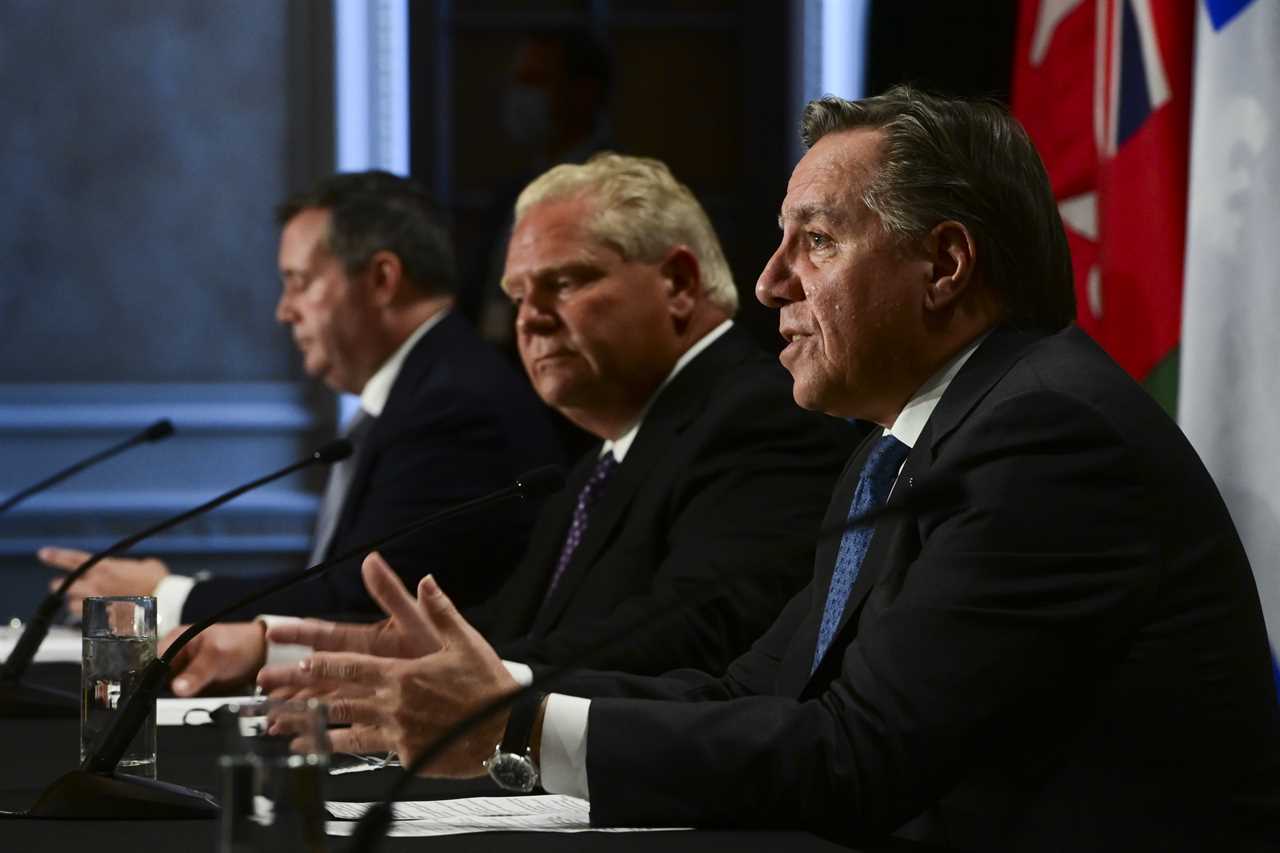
x=511 y=764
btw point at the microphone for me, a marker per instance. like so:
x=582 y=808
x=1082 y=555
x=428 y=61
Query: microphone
x=162 y=428
x=939 y=491
x=21 y=700
x=94 y=791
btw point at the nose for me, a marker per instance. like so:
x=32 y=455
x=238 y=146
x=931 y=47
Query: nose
x=535 y=318
x=777 y=284
x=284 y=309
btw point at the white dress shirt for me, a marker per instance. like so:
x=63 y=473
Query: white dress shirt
x=172 y=591
x=564 y=728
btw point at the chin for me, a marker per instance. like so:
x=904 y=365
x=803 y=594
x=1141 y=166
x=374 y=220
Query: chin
x=554 y=394
x=806 y=398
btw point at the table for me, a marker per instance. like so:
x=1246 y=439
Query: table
x=38 y=751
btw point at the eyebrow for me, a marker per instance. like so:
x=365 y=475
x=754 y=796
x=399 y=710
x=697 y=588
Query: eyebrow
x=808 y=212
x=583 y=266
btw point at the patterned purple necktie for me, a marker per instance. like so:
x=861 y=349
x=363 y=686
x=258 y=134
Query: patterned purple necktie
x=581 y=515
x=874 y=483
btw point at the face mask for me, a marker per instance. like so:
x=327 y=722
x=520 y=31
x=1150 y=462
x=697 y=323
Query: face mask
x=526 y=115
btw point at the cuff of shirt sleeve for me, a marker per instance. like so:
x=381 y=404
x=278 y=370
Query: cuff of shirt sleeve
x=564 y=746
x=171 y=594
x=520 y=672
x=283 y=653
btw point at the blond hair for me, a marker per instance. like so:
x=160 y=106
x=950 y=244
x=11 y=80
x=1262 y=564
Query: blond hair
x=641 y=211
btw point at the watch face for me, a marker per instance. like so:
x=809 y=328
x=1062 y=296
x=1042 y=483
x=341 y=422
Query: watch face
x=513 y=772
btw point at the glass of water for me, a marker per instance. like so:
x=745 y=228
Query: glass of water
x=119 y=643
x=274 y=763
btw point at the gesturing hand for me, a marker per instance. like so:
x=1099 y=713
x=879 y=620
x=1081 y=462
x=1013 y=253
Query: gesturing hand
x=407 y=704
x=405 y=633
x=112 y=576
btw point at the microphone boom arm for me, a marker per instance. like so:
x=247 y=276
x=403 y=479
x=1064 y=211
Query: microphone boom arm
x=106 y=753
x=37 y=628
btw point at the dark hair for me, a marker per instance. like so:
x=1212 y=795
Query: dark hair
x=968 y=161
x=377 y=211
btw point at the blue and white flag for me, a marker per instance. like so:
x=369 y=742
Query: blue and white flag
x=1229 y=389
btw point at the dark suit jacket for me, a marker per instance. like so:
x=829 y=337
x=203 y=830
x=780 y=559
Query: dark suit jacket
x=1072 y=659
x=459 y=423
x=727 y=478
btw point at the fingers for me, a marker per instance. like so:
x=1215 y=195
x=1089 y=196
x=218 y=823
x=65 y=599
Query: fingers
x=347 y=667
x=336 y=667
x=362 y=711
x=319 y=634
x=67 y=559
x=167 y=640
x=284 y=678
x=194 y=670
x=442 y=616
x=358 y=739
x=388 y=590
x=326 y=693
x=181 y=662
x=74 y=601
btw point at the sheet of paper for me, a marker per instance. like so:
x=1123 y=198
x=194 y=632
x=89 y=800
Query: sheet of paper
x=62 y=645
x=546 y=813
x=192 y=712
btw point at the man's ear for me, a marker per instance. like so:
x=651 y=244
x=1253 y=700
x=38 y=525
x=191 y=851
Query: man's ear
x=683 y=276
x=386 y=277
x=951 y=254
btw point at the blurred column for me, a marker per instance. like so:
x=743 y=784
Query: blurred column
x=371 y=77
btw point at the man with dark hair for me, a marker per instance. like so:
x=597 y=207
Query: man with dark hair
x=367 y=273
x=1071 y=656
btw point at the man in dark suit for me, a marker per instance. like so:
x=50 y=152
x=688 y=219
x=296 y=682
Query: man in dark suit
x=1070 y=656
x=367 y=276
x=706 y=470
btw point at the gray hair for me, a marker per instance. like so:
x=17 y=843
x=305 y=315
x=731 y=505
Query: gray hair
x=968 y=161
x=642 y=211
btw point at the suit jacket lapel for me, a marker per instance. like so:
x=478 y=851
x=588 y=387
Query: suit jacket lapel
x=794 y=670
x=521 y=606
x=882 y=540
x=417 y=365
x=677 y=405
x=993 y=359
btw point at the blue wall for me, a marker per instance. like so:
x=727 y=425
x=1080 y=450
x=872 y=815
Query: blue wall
x=143 y=147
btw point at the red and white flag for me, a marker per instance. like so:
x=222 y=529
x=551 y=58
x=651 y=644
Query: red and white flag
x=1104 y=89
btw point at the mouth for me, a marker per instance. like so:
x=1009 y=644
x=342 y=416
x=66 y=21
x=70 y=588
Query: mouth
x=555 y=355
x=792 y=336
x=795 y=339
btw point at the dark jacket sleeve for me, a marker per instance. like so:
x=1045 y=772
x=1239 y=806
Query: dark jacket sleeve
x=1037 y=581
x=752 y=673
x=452 y=447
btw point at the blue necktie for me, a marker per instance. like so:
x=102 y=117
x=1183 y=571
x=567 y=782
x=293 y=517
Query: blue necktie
x=872 y=491
x=587 y=498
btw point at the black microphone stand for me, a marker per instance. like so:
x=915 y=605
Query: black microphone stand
x=19 y=700
x=162 y=428
x=95 y=791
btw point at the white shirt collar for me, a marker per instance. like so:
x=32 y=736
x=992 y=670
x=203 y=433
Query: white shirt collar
x=620 y=445
x=373 y=397
x=911 y=420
